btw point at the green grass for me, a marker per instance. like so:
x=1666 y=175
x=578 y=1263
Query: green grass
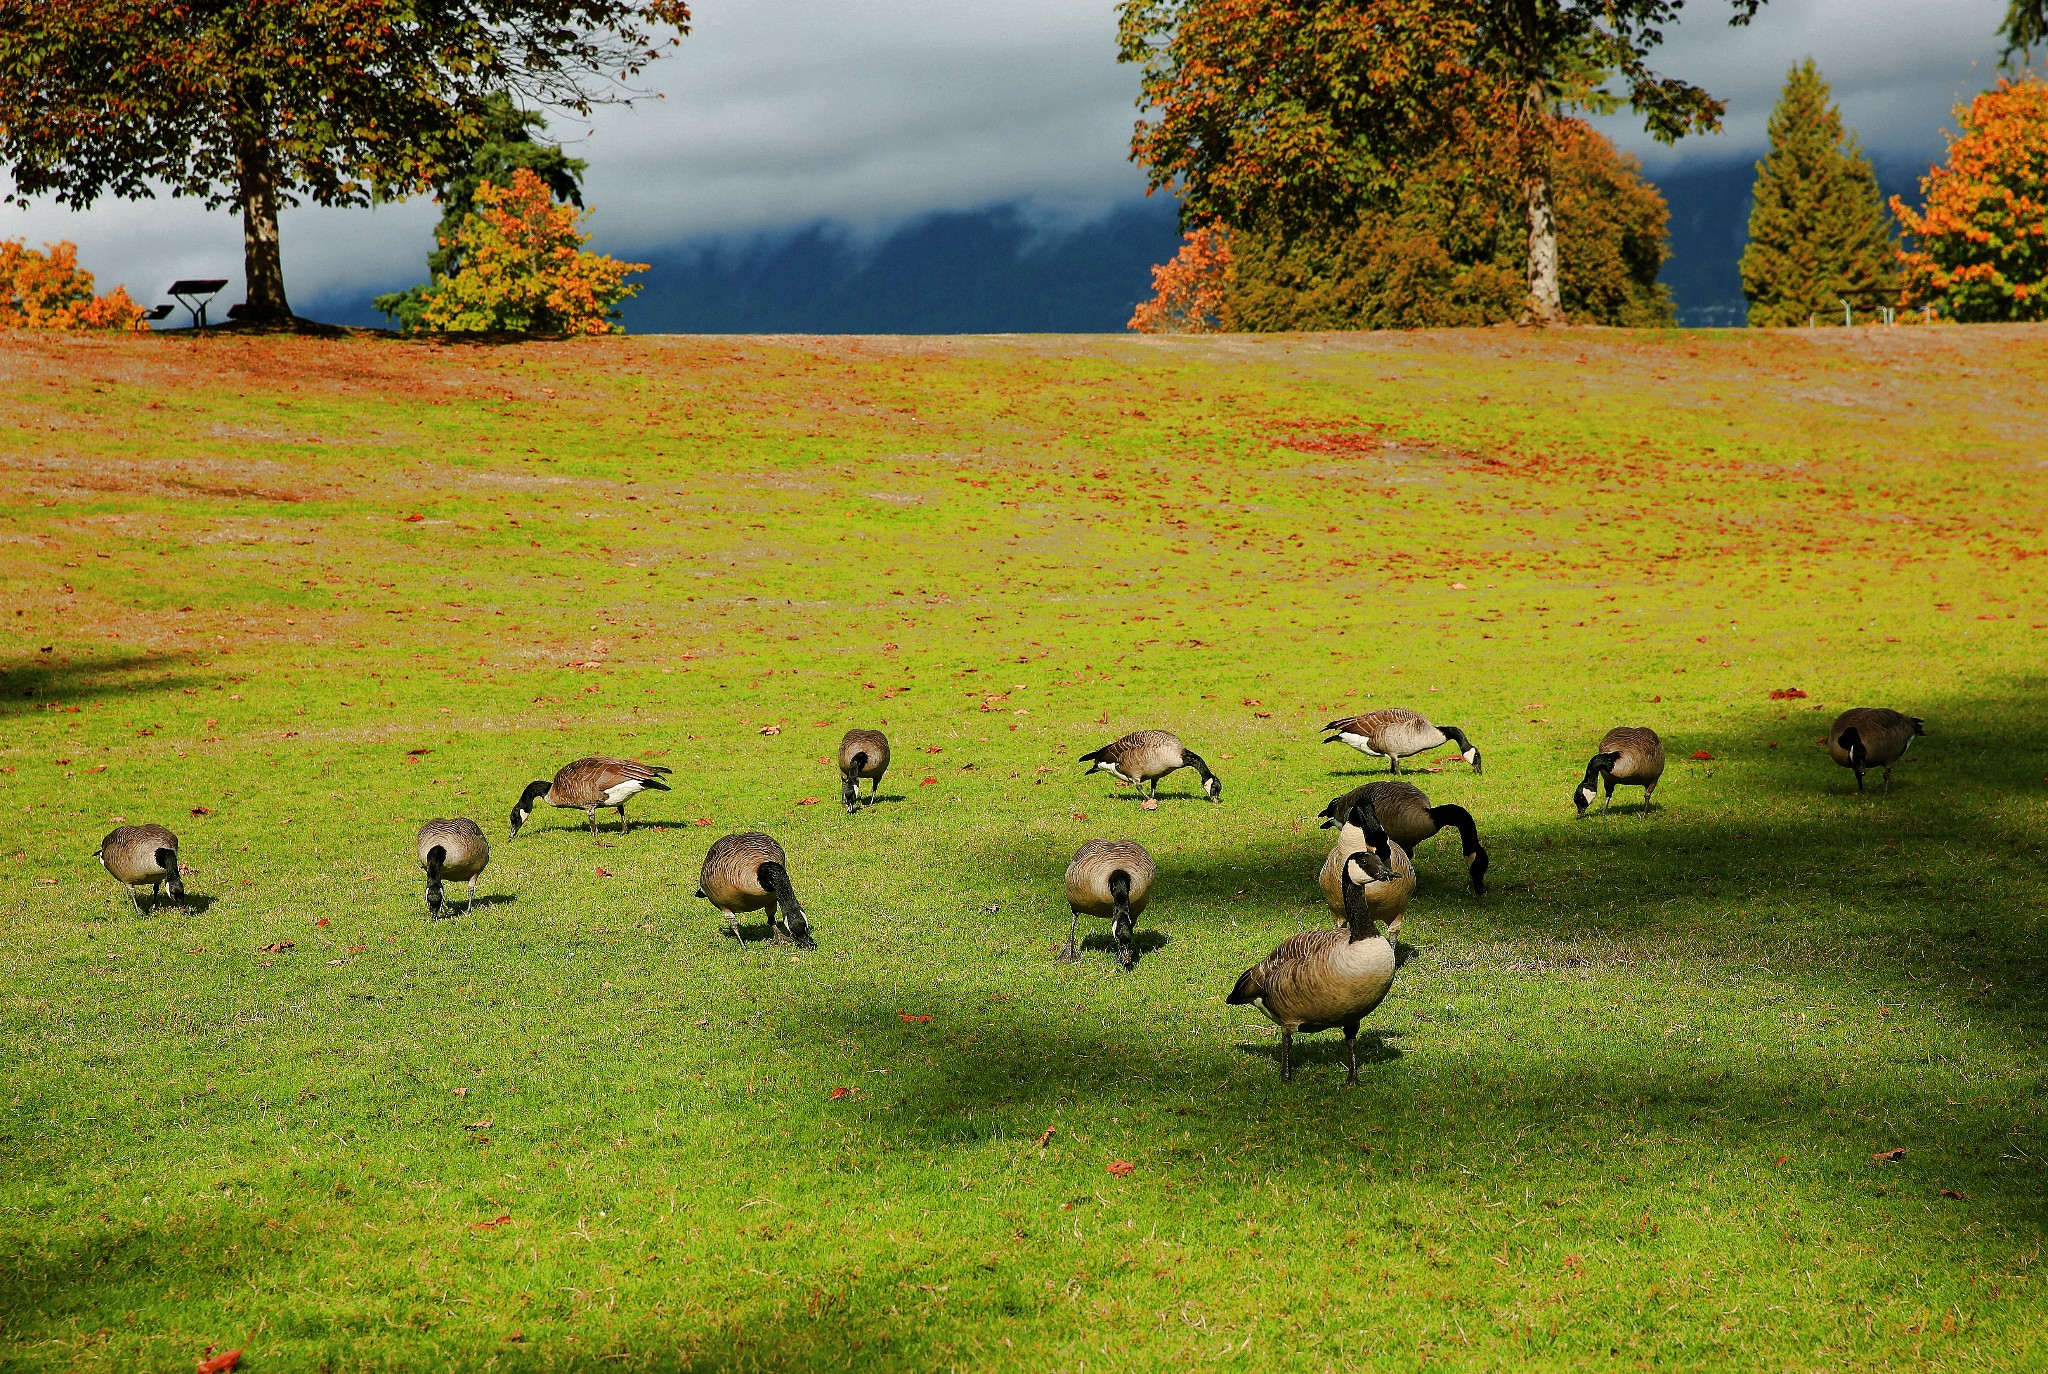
x=1624 y=1107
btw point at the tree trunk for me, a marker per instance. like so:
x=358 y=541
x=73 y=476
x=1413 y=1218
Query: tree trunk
x=1545 y=306
x=262 y=263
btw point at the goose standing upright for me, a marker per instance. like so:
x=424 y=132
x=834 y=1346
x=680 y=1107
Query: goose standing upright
x=1395 y=732
x=1630 y=755
x=862 y=754
x=1404 y=809
x=1325 y=979
x=1110 y=880
x=588 y=784
x=137 y=854
x=748 y=872
x=1392 y=874
x=455 y=850
x=1865 y=737
x=1145 y=756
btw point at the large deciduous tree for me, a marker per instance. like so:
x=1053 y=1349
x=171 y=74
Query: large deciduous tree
x=259 y=104
x=1287 y=115
x=1818 y=232
x=1980 y=243
x=1449 y=252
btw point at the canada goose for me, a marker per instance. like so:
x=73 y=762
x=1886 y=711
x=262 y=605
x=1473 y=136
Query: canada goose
x=1391 y=873
x=137 y=854
x=1630 y=755
x=862 y=754
x=1405 y=811
x=1394 y=732
x=1145 y=756
x=746 y=872
x=454 y=849
x=1873 y=737
x=1322 y=979
x=587 y=784
x=1110 y=880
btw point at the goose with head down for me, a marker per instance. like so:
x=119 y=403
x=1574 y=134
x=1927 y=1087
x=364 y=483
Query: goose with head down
x=1404 y=809
x=1143 y=757
x=862 y=754
x=588 y=784
x=1394 y=733
x=1110 y=880
x=749 y=872
x=1866 y=737
x=453 y=850
x=1631 y=756
x=138 y=854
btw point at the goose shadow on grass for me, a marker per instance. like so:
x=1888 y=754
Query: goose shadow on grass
x=34 y=680
x=1327 y=1047
x=195 y=904
x=454 y=908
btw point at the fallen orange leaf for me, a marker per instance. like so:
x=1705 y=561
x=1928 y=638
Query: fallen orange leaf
x=1121 y=1168
x=1891 y=1156
x=838 y=1093
x=227 y=1359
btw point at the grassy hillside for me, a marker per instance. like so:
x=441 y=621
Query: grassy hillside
x=292 y=597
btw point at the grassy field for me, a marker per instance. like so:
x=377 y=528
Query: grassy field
x=293 y=596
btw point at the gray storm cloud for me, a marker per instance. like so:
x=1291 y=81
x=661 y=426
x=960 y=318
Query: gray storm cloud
x=779 y=112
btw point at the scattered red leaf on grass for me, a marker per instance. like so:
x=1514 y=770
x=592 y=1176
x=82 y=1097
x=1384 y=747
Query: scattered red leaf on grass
x=604 y=873
x=771 y=730
x=929 y=782
x=321 y=922
x=1950 y=1192
x=1891 y=1156
x=415 y=753
x=1460 y=587
x=483 y=1125
x=1046 y=1139
x=1080 y=815
x=493 y=1223
x=935 y=749
x=1782 y=1159
x=277 y=947
x=808 y=801
x=358 y=949
x=414 y=519
x=701 y=820
x=202 y=811
x=838 y=1093
x=912 y=1019
x=460 y=1092
x=1787 y=694
x=221 y=1363
x=1702 y=754
x=1121 y=1168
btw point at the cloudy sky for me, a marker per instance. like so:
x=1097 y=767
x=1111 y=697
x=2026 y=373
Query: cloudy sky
x=778 y=112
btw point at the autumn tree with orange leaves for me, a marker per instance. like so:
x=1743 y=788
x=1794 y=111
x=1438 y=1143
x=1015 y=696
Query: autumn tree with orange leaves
x=524 y=269
x=1979 y=246
x=1294 y=117
x=49 y=290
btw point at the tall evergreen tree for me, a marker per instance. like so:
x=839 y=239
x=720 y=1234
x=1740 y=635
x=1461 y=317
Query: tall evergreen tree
x=1818 y=231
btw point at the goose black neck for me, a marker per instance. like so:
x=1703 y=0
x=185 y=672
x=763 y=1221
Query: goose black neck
x=1120 y=895
x=1195 y=761
x=436 y=856
x=1852 y=744
x=775 y=878
x=167 y=860
x=1454 y=734
x=1460 y=819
